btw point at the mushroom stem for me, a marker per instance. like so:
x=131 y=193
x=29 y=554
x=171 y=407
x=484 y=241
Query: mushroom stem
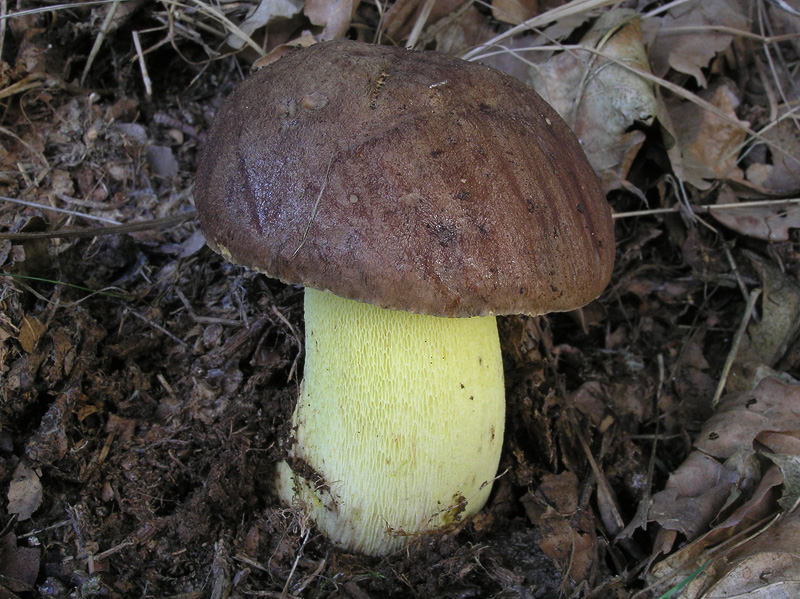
x=399 y=424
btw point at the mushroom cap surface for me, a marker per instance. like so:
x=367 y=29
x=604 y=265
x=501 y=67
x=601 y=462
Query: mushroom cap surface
x=409 y=180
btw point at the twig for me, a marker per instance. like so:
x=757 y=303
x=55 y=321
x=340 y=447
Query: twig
x=3 y=11
x=61 y=210
x=285 y=590
x=735 y=270
x=156 y=223
x=737 y=340
x=551 y=16
x=420 y=23
x=708 y=208
x=218 y=16
x=158 y=327
x=309 y=578
x=112 y=10
x=148 y=85
x=115 y=549
x=52 y=8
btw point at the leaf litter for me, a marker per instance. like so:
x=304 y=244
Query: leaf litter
x=139 y=425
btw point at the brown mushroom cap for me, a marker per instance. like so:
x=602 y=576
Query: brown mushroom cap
x=409 y=180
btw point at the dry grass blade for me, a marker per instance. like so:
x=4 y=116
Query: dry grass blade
x=569 y=9
x=98 y=42
x=61 y=210
x=158 y=223
x=56 y=7
x=420 y=23
x=706 y=209
x=218 y=16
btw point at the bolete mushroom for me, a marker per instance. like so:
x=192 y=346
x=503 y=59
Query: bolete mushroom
x=415 y=196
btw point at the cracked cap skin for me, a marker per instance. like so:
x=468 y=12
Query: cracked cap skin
x=409 y=180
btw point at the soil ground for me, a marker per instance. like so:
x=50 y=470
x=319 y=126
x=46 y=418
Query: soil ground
x=146 y=382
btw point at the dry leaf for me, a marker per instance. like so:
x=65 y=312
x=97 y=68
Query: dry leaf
x=29 y=332
x=565 y=538
x=708 y=143
x=333 y=15
x=19 y=566
x=265 y=13
x=767 y=417
x=784 y=451
x=740 y=417
x=514 y=11
x=24 y=492
x=767 y=567
x=693 y=495
x=403 y=14
x=691 y=34
x=599 y=99
x=720 y=472
x=682 y=564
x=770 y=222
x=783 y=175
x=463 y=29
x=767 y=341
x=162 y=161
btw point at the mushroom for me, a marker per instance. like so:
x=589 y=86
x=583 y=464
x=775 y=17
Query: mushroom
x=415 y=196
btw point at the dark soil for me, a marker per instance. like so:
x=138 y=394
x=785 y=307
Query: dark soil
x=146 y=382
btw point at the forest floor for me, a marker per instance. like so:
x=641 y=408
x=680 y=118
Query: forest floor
x=145 y=383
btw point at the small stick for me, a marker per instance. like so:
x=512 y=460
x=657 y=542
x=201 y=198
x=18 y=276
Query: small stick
x=148 y=85
x=155 y=223
x=709 y=208
x=420 y=23
x=112 y=10
x=158 y=327
x=285 y=590
x=737 y=340
x=61 y=210
x=113 y=550
x=3 y=13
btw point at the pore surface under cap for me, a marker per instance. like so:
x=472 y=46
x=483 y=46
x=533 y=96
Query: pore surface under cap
x=409 y=180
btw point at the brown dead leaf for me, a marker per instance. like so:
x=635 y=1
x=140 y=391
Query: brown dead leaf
x=123 y=428
x=680 y=565
x=567 y=529
x=783 y=175
x=599 y=99
x=707 y=142
x=766 y=566
x=162 y=161
x=767 y=340
x=691 y=34
x=733 y=491
x=403 y=14
x=591 y=400
x=267 y=11
x=514 y=11
x=770 y=222
x=19 y=566
x=780 y=442
x=466 y=28
x=740 y=417
x=784 y=451
x=693 y=495
x=29 y=333
x=333 y=15
x=24 y=492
